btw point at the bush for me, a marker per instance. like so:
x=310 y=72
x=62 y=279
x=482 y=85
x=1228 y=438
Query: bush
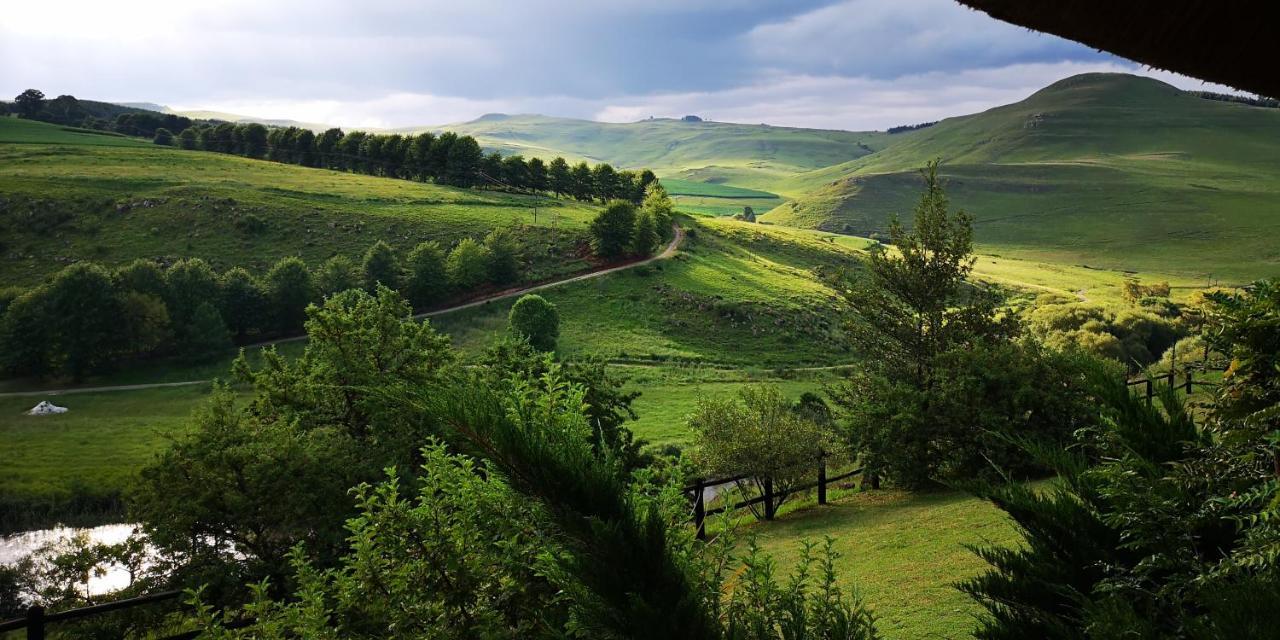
x=468 y=265
x=163 y=137
x=612 y=228
x=535 y=320
x=207 y=336
x=289 y=291
x=644 y=237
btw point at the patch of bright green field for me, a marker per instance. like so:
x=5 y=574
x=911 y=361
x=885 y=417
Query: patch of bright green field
x=63 y=199
x=79 y=463
x=678 y=187
x=901 y=553
x=1100 y=170
x=14 y=130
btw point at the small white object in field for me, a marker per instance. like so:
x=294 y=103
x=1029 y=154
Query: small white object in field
x=46 y=408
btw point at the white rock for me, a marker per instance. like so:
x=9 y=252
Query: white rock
x=46 y=408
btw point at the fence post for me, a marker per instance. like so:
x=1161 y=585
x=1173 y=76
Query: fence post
x=1188 y=382
x=1151 y=392
x=1173 y=382
x=768 y=498
x=35 y=622
x=822 y=479
x=700 y=510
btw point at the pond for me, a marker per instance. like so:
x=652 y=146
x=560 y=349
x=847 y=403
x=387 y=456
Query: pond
x=14 y=547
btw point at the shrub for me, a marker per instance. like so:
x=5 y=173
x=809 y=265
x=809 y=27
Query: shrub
x=289 y=290
x=163 y=137
x=207 y=336
x=644 y=237
x=468 y=265
x=244 y=303
x=535 y=320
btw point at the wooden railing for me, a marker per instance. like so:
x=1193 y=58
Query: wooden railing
x=36 y=620
x=768 y=497
x=1170 y=379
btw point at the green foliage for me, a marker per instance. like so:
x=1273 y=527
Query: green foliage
x=612 y=229
x=1159 y=528
x=381 y=267
x=145 y=323
x=535 y=320
x=163 y=137
x=206 y=336
x=289 y=290
x=660 y=207
x=468 y=265
x=244 y=303
x=83 y=311
x=315 y=427
x=504 y=256
x=337 y=274
x=907 y=310
x=758 y=435
x=428 y=280
x=188 y=284
x=644 y=236
x=1135 y=337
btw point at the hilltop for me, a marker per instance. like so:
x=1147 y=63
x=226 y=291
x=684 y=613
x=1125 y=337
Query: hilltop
x=1108 y=170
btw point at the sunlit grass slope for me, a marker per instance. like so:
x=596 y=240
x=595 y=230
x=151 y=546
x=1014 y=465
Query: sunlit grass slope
x=737 y=293
x=67 y=196
x=1104 y=170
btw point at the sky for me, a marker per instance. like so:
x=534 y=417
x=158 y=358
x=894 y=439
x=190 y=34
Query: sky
x=845 y=64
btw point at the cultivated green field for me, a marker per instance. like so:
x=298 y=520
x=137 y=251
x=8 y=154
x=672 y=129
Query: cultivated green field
x=63 y=199
x=1103 y=170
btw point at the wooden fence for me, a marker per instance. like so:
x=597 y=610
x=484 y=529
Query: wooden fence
x=1149 y=384
x=768 y=497
x=36 y=620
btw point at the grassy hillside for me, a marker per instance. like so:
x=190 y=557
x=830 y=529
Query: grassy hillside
x=745 y=155
x=1107 y=170
x=736 y=294
x=67 y=195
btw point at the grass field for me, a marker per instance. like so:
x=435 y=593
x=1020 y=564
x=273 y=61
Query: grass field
x=1103 y=170
x=901 y=552
x=76 y=465
x=63 y=199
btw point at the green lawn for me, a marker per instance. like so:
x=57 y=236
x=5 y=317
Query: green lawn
x=77 y=464
x=902 y=553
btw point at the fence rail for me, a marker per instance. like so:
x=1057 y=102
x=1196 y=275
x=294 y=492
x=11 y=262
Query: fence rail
x=36 y=620
x=769 y=498
x=1149 y=383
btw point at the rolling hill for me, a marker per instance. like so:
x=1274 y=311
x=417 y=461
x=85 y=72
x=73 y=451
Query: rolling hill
x=745 y=155
x=1108 y=170
x=70 y=194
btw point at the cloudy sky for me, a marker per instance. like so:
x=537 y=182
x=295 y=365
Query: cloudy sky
x=850 y=64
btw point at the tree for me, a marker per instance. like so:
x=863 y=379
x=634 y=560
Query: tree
x=581 y=186
x=24 y=335
x=660 y=206
x=327 y=146
x=381 y=267
x=207 y=335
x=538 y=179
x=163 y=137
x=468 y=265
x=337 y=274
x=504 y=256
x=289 y=291
x=612 y=228
x=244 y=303
x=604 y=182
x=748 y=214
x=188 y=284
x=535 y=320
x=428 y=280
x=253 y=139
x=463 y=161
x=142 y=276
x=29 y=103
x=558 y=178
x=188 y=139
x=759 y=436
x=145 y=323
x=515 y=171
x=908 y=309
x=82 y=311
x=644 y=236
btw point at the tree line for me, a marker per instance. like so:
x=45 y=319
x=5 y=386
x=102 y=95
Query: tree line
x=88 y=318
x=443 y=158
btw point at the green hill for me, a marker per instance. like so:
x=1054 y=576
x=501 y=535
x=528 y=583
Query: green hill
x=68 y=195
x=745 y=155
x=1107 y=170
